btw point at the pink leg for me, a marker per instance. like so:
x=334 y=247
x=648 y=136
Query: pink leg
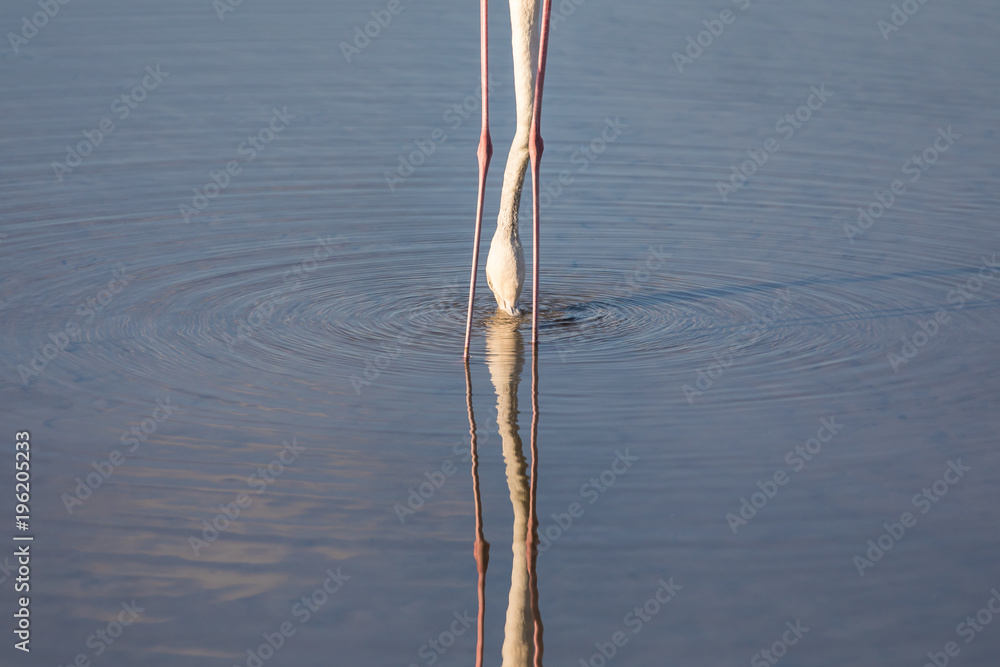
x=484 y=153
x=535 y=147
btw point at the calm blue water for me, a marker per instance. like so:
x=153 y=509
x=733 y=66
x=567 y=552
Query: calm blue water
x=233 y=329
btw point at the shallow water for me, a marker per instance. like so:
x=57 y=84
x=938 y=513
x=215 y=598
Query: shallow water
x=689 y=342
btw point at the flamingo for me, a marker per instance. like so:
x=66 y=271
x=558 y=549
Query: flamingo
x=505 y=264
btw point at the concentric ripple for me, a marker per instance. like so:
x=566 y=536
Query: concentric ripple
x=297 y=309
x=307 y=309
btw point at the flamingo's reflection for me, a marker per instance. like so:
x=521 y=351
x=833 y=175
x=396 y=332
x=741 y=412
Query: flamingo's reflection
x=522 y=645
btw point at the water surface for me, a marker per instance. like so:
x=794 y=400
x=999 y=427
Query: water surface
x=297 y=312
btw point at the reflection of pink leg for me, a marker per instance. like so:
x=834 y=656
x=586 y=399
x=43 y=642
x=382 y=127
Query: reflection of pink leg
x=484 y=153
x=481 y=548
x=532 y=541
x=535 y=147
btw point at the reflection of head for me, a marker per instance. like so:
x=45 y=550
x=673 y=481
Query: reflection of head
x=505 y=359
